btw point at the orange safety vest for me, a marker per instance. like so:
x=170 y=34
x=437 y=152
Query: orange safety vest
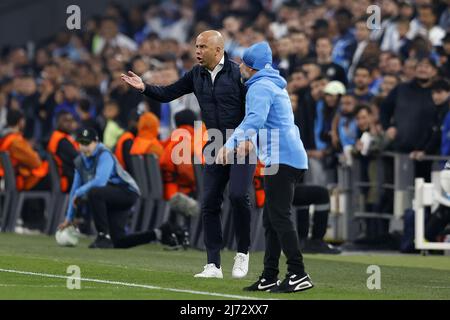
x=178 y=177
x=258 y=182
x=21 y=172
x=143 y=146
x=52 y=147
x=119 y=147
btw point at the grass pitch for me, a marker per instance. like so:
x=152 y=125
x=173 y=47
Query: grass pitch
x=150 y=272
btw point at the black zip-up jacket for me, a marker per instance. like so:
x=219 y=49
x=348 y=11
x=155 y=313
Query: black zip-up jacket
x=222 y=104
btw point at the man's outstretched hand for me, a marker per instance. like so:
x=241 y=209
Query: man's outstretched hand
x=133 y=80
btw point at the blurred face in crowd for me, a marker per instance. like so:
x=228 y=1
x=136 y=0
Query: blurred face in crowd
x=446 y=46
x=111 y=111
x=331 y=100
x=109 y=29
x=323 y=48
x=209 y=49
x=298 y=80
x=425 y=71
x=312 y=70
x=28 y=86
x=42 y=57
x=343 y=22
x=51 y=72
x=71 y=92
x=140 y=66
x=361 y=31
x=231 y=25
x=284 y=47
x=406 y=11
x=363 y=119
x=389 y=83
x=426 y=16
x=348 y=104
x=383 y=61
x=359 y=7
x=409 y=69
x=440 y=96
x=300 y=43
x=66 y=123
x=394 y=65
x=317 y=87
x=18 y=57
x=362 y=78
x=389 y=8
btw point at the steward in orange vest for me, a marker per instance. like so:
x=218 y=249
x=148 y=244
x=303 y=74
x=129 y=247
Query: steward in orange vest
x=146 y=141
x=30 y=170
x=64 y=148
x=125 y=142
x=178 y=175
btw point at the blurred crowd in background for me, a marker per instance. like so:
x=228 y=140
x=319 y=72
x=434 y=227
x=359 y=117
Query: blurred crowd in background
x=356 y=91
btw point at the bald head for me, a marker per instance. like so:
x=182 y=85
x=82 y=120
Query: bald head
x=209 y=48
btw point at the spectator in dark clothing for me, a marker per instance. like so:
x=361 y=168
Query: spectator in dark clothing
x=127 y=98
x=306 y=112
x=344 y=45
x=361 y=81
x=330 y=69
x=407 y=112
x=64 y=148
x=71 y=94
x=84 y=114
x=440 y=93
x=47 y=105
x=29 y=101
x=301 y=50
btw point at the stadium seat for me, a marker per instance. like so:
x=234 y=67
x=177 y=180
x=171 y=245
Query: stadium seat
x=196 y=222
x=144 y=205
x=60 y=199
x=15 y=199
x=153 y=173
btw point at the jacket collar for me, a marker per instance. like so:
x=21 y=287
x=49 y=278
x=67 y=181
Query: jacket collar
x=226 y=64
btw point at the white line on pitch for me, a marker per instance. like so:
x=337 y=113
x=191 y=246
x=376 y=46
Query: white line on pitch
x=136 y=285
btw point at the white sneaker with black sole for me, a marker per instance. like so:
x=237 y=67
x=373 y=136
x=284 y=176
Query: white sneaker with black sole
x=210 y=271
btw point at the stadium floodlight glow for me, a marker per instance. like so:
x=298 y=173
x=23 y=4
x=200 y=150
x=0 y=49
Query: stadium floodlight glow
x=426 y=195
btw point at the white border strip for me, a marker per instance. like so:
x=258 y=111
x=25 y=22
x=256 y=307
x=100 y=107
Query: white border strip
x=136 y=285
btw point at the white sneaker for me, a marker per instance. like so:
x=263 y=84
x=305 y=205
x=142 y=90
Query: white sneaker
x=240 y=268
x=210 y=271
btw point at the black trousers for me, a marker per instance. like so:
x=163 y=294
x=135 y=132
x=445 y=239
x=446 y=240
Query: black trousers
x=215 y=179
x=437 y=223
x=306 y=195
x=280 y=233
x=110 y=208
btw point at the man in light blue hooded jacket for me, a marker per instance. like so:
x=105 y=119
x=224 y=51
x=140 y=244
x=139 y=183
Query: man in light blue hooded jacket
x=281 y=150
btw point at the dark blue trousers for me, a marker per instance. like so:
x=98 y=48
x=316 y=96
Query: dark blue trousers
x=215 y=179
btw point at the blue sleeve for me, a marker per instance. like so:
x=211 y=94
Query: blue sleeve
x=103 y=172
x=258 y=102
x=445 y=145
x=75 y=185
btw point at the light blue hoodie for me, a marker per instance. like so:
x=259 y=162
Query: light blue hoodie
x=268 y=107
